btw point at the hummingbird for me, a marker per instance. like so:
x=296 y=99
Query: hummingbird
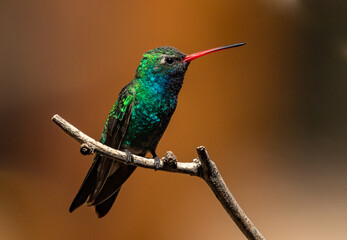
x=136 y=123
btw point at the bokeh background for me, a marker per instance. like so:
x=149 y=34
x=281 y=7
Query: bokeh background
x=272 y=115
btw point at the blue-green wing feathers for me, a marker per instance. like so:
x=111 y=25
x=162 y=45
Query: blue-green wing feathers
x=114 y=131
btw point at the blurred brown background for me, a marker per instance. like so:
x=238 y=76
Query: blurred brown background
x=272 y=115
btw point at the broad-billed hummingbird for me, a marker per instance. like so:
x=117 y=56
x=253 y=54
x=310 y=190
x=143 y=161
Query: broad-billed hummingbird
x=136 y=123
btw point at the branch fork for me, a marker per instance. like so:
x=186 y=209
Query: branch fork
x=202 y=167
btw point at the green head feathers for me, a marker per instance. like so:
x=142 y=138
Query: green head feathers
x=162 y=63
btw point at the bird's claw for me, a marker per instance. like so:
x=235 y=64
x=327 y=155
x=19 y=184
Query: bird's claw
x=156 y=163
x=130 y=157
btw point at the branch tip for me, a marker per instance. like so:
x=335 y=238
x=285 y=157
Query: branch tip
x=206 y=163
x=202 y=153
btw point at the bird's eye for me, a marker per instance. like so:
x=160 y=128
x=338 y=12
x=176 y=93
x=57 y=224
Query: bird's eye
x=169 y=61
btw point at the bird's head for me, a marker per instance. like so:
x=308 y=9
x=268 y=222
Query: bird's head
x=168 y=61
x=162 y=63
x=168 y=65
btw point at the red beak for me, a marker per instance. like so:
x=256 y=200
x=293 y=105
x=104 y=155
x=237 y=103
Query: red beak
x=193 y=56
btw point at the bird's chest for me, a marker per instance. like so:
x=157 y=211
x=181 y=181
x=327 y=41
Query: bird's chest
x=152 y=111
x=149 y=119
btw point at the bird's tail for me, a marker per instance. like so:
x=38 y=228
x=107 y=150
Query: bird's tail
x=87 y=186
x=105 y=198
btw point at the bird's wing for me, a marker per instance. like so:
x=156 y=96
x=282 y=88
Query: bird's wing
x=113 y=134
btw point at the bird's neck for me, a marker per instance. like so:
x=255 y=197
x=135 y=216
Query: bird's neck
x=162 y=86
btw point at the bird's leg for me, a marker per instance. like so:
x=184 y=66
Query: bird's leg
x=130 y=157
x=156 y=160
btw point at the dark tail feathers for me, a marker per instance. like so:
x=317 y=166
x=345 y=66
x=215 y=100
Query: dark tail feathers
x=109 y=192
x=87 y=186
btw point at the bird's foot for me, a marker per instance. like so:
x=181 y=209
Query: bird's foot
x=130 y=157
x=156 y=163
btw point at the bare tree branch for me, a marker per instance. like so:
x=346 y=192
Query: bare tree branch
x=214 y=179
x=202 y=167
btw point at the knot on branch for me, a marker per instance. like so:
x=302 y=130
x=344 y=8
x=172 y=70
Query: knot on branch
x=197 y=161
x=86 y=149
x=170 y=159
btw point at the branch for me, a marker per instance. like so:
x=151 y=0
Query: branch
x=214 y=179
x=202 y=167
